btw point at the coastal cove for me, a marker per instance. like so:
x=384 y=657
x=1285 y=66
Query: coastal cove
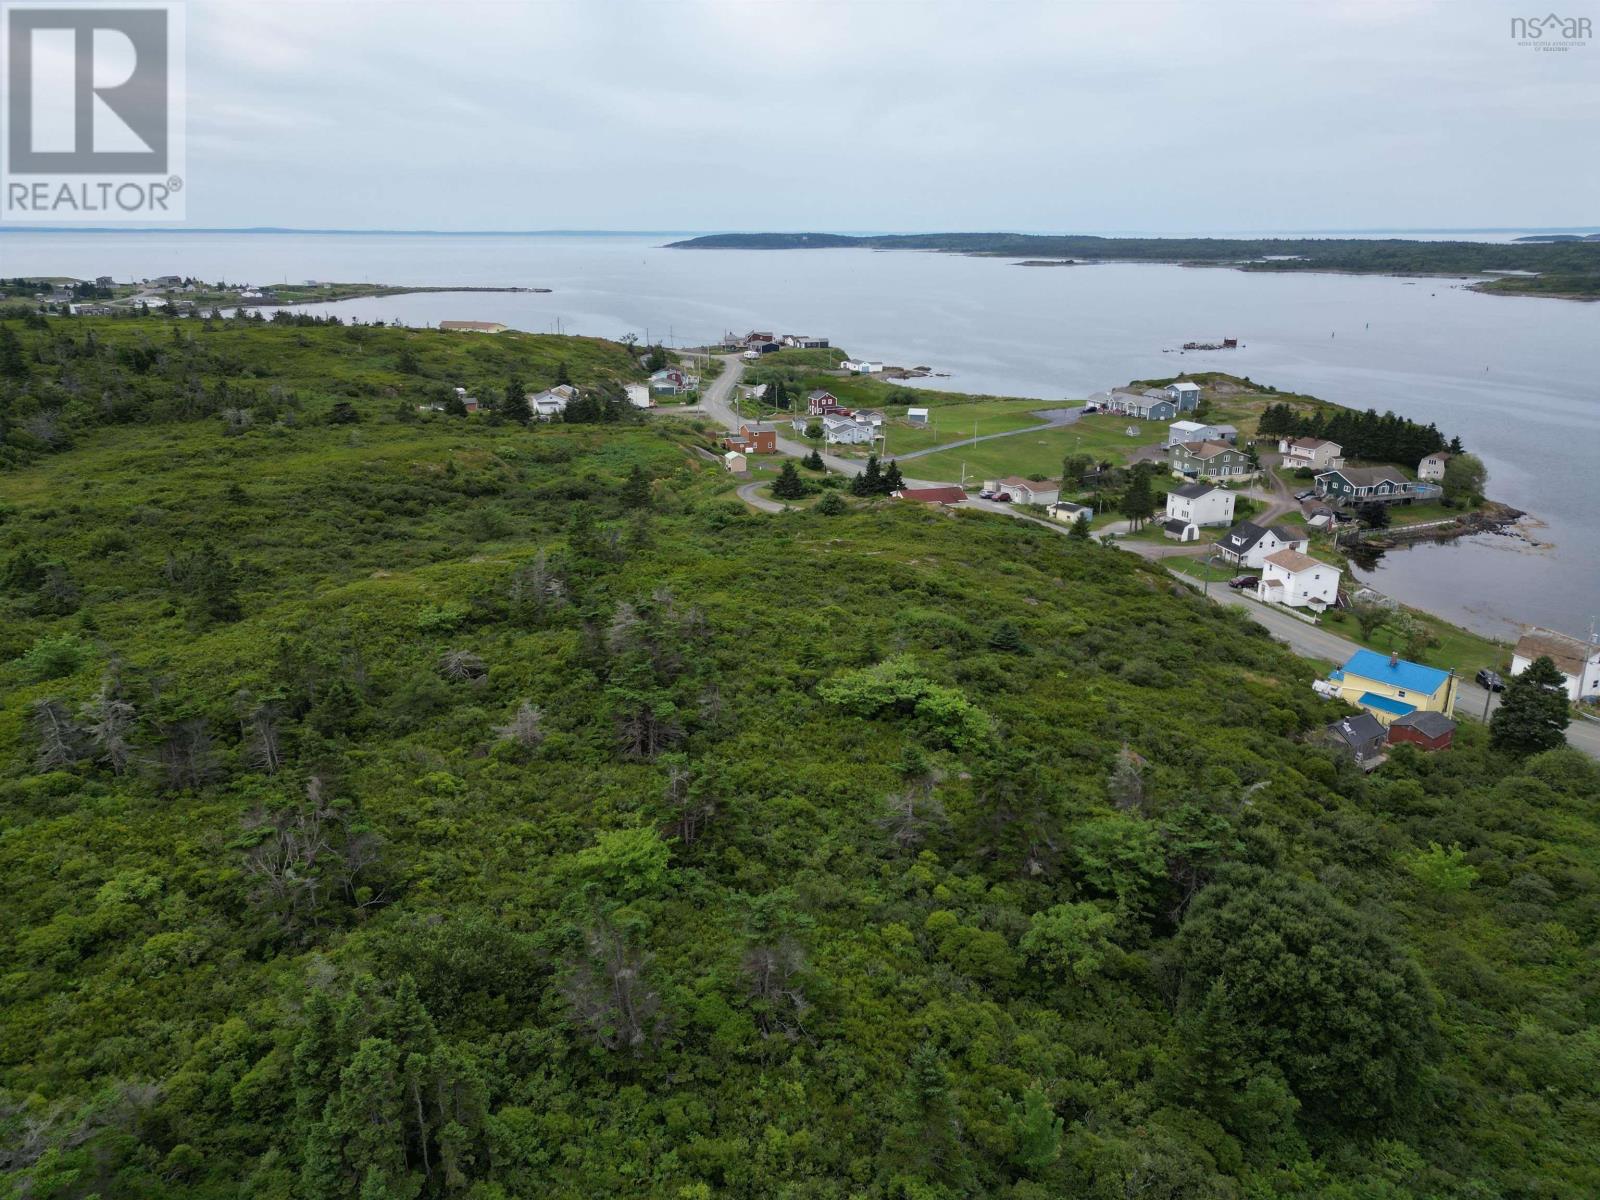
x=1516 y=381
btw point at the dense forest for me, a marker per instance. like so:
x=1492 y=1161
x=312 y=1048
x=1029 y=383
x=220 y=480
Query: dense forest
x=1565 y=268
x=400 y=803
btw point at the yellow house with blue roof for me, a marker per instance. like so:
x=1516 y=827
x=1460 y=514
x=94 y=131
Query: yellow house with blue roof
x=1390 y=687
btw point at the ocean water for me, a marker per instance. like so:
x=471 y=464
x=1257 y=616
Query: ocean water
x=1517 y=378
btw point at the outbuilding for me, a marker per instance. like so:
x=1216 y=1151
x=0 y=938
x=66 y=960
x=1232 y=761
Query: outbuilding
x=1425 y=728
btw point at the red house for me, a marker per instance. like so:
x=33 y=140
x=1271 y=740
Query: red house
x=752 y=439
x=825 y=404
x=1430 y=730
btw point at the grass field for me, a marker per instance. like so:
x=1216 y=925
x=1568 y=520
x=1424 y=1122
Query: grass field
x=1042 y=452
x=1457 y=647
x=947 y=425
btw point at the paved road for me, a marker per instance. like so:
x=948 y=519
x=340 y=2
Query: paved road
x=1308 y=641
x=1311 y=641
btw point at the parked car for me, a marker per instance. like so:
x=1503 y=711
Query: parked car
x=1242 y=581
x=1001 y=497
x=986 y=495
x=1488 y=679
x=1305 y=495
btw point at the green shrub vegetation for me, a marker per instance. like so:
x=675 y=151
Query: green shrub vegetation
x=441 y=806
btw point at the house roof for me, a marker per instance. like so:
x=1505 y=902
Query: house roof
x=1366 y=476
x=1193 y=491
x=1437 y=456
x=1243 y=536
x=819 y=394
x=1293 y=560
x=1304 y=443
x=1358 y=730
x=1207 y=449
x=1175 y=525
x=1398 y=672
x=1427 y=722
x=1068 y=506
x=1188 y=425
x=1185 y=386
x=1386 y=704
x=1568 y=653
x=934 y=495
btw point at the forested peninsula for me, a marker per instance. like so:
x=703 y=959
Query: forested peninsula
x=1563 y=269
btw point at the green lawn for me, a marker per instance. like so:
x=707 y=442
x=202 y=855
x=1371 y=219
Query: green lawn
x=951 y=424
x=1457 y=647
x=1042 y=452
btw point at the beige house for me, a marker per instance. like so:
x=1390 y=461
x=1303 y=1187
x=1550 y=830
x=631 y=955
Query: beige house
x=1432 y=467
x=735 y=462
x=1024 y=491
x=1313 y=454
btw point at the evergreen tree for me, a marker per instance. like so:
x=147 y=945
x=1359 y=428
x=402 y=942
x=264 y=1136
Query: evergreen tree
x=893 y=481
x=515 y=405
x=561 y=373
x=636 y=489
x=1080 y=528
x=813 y=462
x=12 y=363
x=870 y=481
x=1533 y=712
x=1138 y=502
x=789 y=485
x=832 y=505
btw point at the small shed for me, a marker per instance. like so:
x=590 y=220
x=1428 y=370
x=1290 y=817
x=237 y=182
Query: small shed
x=917 y=416
x=1361 y=738
x=1426 y=728
x=735 y=462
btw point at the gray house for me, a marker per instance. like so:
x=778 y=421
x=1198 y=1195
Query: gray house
x=1362 y=485
x=1362 y=738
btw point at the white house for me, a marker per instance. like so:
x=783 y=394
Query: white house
x=1314 y=454
x=1200 y=504
x=846 y=431
x=1432 y=467
x=917 y=416
x=1578 y=660
x=1249 y=544
x=1289 y=577
x=551 y=404
x=1191 y=431
x=1025 y=491
x=861 y=366
x=639 y=396
x=1069 y=514
x=735 y=462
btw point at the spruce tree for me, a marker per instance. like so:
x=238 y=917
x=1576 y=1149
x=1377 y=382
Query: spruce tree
x=1533 y=712
x=870 y=481
x=813 y=462
x=892 y=479
x=789 y=485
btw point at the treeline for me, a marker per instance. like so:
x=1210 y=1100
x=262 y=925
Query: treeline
x=1381 y=255
x=1361 y=435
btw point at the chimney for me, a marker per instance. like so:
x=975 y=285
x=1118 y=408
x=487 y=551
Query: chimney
x=1394 y=658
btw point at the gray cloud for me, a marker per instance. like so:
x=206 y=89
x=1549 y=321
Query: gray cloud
x=1093 y=116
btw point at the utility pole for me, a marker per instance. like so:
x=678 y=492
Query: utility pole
x=1488 y=698
x=1205 y=583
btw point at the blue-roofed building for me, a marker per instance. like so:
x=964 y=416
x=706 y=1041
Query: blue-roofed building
x=1388 y=686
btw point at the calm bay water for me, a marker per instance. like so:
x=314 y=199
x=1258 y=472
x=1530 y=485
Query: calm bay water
x=1518 y=379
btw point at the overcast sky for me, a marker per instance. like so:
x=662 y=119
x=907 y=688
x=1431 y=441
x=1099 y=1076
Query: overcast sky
x=743 y=115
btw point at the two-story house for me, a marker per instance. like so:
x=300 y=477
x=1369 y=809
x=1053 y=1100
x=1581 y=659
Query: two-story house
x=820 y=403
x=1388 y=686
x=1209 y=460
x=1432 y=467
x=1292 y=578
x=1312 y=454
x=1248 y=544
x=1194 y=506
